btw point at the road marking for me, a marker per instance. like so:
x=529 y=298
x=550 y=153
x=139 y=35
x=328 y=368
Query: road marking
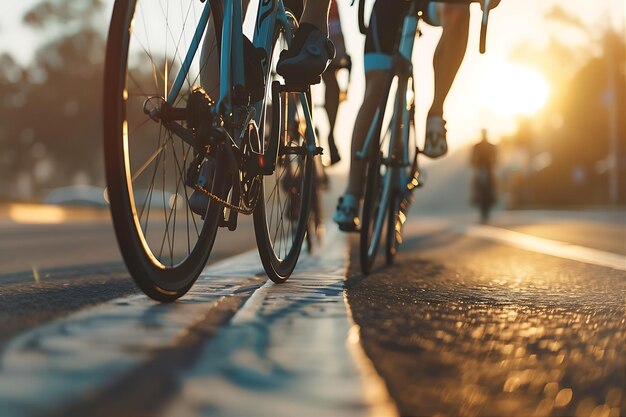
x=549 y=247
x=290 y=350
x=46 y=369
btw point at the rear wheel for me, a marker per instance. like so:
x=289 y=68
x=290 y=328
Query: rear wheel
x=374 y=210
x=281 y=217
x=164 y=243
x=394 y=228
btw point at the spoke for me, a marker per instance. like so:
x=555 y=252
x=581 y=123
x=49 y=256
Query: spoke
x=139 y=126
x=145 y=165
x=181 y=176
x=166 y=235
x=148 y=199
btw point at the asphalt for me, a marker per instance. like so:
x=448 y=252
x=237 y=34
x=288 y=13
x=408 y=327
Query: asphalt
x=460 y=325
x=463 y=326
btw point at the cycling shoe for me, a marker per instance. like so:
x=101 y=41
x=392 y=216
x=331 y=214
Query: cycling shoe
x=307 y=58
x=347 y=213
x=435 y=144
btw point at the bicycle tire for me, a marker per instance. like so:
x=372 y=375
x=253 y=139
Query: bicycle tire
x=280 y=225
x=129 y=136
x=372 y=207
x=372 y=216
x=394 y=229
x=401 y=198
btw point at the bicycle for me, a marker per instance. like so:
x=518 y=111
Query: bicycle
x=483 y=192
x=183 y=115
x=390 y=147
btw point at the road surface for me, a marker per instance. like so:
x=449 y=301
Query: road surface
x=522 y=317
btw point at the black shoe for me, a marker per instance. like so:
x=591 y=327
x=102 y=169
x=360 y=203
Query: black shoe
x=307 y=58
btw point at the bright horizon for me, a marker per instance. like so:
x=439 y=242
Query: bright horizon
x=490 y=91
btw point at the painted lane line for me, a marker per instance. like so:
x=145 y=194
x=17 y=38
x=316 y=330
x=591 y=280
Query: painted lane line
x=288 y=351
x=45 y=369
x=303 y=324
x=549 y=247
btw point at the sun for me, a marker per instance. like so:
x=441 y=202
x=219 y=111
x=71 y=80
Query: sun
x=515 y=90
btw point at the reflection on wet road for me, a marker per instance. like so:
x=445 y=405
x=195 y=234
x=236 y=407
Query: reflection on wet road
x=463 y=326
x=284 y=352
x=471 y=321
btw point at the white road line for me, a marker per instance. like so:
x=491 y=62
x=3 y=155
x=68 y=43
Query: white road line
x=549 y=247
x=51 y=366
x=290 y=350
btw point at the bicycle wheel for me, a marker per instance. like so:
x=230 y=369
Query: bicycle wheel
x=381 y=182
x=164 y=243
x=394 y=228
x=400 y=200
x=281 y=217
x=374 y=210
x=315 y=226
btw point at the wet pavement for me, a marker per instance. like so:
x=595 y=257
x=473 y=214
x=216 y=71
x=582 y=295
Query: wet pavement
x=286 y=352
x=235 y=345
x=466 y=326
x=525 y=317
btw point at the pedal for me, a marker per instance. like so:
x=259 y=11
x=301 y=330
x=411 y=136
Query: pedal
x=224 y=222
x=293 y=86
x=298 y=85
x=230 y=222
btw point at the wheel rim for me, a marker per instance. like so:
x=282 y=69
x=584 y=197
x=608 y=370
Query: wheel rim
x=156 y=161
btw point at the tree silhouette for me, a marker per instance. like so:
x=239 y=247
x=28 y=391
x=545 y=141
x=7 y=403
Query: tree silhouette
x=579 y=142
x=50 y=111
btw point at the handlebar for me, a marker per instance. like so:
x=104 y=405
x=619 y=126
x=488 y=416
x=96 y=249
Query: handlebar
x=486 y=6
x=483 y=26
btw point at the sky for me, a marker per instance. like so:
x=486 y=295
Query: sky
x=490 y=90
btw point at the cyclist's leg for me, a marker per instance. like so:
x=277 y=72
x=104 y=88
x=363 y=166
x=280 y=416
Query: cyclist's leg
x=331 y=105
x=450 y=51
x=316 y=14
x=332 y=91
x=374 y=83
x=379 y=46
x=295 y=6
x=454 y=19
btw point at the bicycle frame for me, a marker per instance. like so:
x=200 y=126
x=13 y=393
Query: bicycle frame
x=402 y=68
x=232 y=52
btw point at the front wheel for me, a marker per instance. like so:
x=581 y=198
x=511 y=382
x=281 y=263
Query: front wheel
x=165 y=243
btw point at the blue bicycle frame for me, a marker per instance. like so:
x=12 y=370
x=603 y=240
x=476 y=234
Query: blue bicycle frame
x=269 y=14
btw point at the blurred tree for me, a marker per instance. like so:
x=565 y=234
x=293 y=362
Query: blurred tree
x=579 y=129
x=50 y=110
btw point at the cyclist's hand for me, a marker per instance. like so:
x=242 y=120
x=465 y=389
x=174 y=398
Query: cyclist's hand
x=492 y=4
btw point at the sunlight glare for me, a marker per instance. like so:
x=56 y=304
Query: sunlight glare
x=514 y=90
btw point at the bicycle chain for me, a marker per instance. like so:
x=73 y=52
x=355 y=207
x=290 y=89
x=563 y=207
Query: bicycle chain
x=240 y=209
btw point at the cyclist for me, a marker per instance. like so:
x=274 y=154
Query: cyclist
x=483 y=160
x=333 y=94
x=379 y=45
